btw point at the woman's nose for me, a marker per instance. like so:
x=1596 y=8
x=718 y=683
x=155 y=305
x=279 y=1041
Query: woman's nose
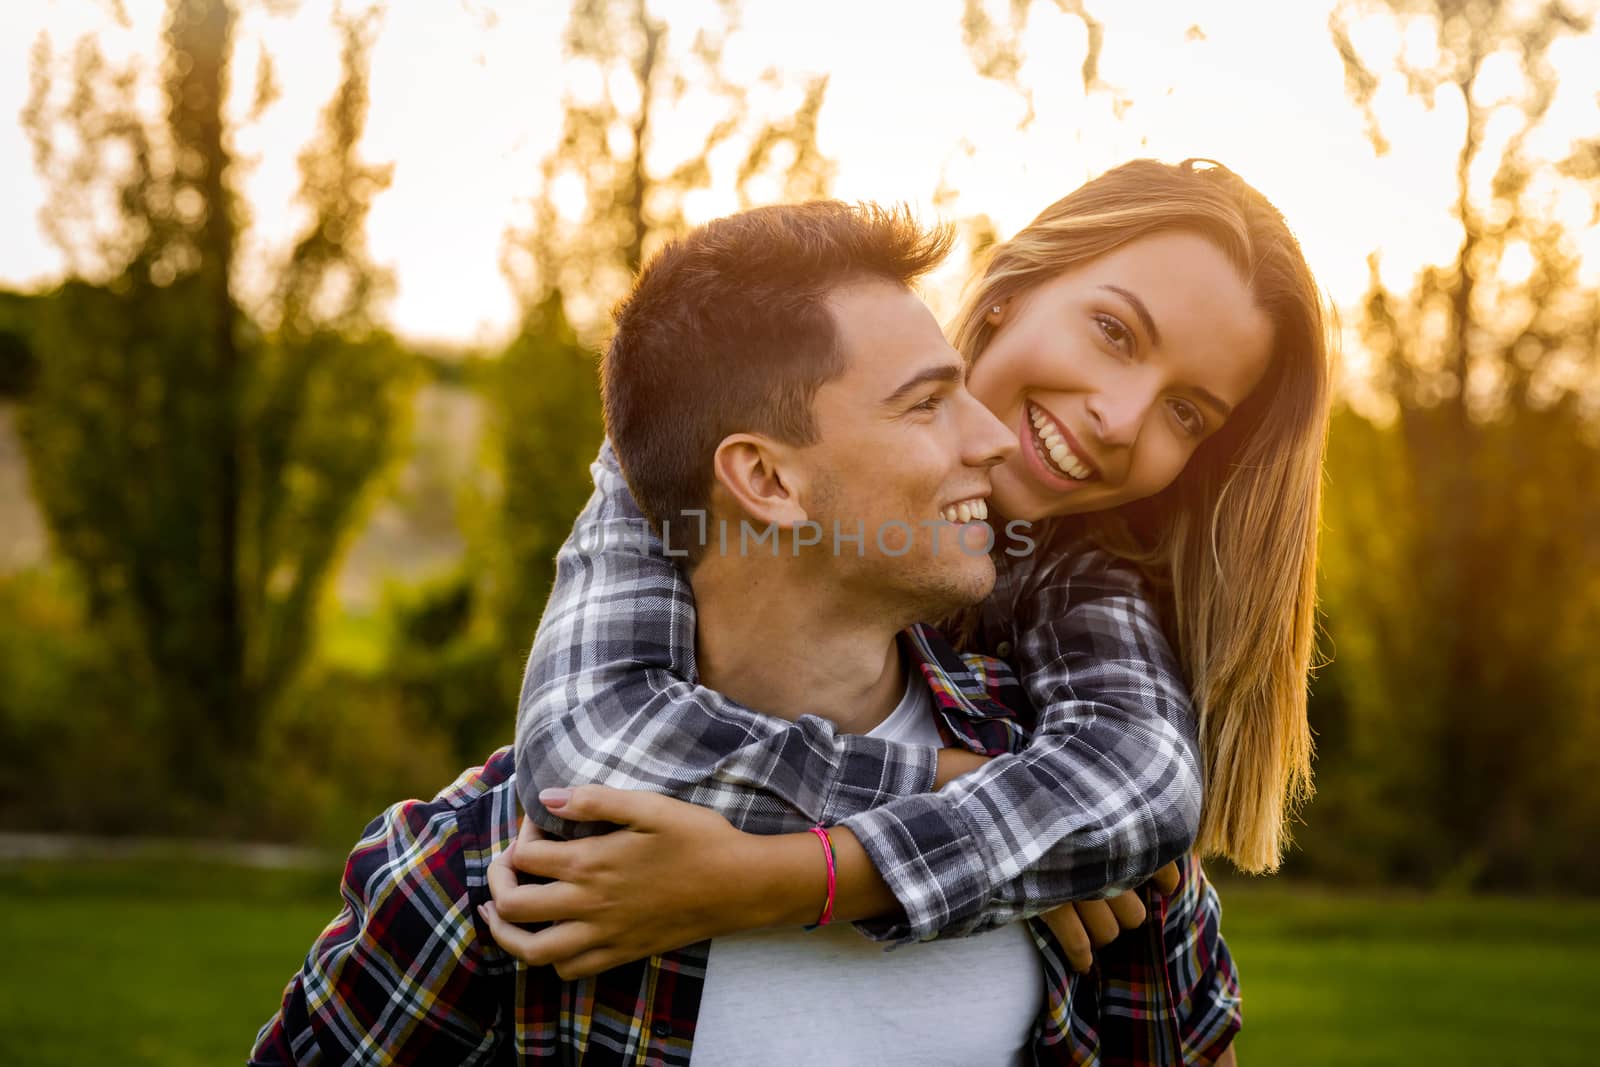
x=1117 y=416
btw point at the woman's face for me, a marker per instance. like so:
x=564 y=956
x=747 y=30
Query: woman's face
x=1112 y=373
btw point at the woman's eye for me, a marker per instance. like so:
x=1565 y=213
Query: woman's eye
x=1114 y=331
x=1189 y=417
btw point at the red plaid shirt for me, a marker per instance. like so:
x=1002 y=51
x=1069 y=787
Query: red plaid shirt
x=409 y=974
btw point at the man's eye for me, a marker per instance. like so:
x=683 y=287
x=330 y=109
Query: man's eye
x=930 y=404
x=1112 y=329
x=1189 y=418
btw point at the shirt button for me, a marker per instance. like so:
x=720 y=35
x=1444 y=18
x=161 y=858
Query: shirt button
x=661 y=1029
x=1003 y=649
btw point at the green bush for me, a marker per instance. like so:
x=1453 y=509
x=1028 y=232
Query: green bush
x=77 y=746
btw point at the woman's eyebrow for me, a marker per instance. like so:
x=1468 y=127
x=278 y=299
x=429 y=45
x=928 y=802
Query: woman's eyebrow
x=1138 y=309
x=1222 y=406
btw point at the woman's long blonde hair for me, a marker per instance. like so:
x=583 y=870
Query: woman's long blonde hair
x=1232 y=543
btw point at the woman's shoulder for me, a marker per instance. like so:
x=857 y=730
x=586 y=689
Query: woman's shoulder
x=1065 y=558
x=1077 y=584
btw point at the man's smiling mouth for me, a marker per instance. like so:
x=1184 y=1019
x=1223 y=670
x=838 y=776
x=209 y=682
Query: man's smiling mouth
x=1054 y=449
x=973 y=510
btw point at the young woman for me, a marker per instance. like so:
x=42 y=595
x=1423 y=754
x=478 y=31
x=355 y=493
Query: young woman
x=1157 y=342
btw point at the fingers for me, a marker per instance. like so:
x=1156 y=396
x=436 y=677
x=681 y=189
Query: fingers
x=1128 y=909
x=545 y=858
x=587 y=964
x=550 y=902
x=1098 y=921
x=529 y=832
x=1074 y=939
x=1166 y=879
x=502 y=879
x=539 y=948
x=601 y=803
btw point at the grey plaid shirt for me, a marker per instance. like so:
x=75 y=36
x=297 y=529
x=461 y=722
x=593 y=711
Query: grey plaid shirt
x=1107 y=791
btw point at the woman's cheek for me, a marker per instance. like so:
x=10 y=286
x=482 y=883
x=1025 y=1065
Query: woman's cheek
x=1174 y=459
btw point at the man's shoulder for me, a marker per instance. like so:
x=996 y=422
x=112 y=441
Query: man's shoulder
x=477 y=784
x=465 y=822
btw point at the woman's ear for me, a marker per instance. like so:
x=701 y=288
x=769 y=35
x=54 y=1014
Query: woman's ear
x=762 y=477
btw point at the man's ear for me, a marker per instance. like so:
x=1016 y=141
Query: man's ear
x=763 y=478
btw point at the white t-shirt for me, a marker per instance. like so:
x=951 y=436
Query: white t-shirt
x=832 y=997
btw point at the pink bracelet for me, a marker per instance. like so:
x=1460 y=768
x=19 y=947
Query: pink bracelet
x=833 y=883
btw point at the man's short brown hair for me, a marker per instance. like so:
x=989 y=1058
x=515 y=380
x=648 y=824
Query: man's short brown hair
x=728 y=330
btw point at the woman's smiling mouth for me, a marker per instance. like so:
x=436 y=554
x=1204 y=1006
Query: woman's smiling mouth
x=1053 y=446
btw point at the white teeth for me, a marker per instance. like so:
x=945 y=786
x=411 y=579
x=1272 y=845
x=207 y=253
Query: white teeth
x=1056 y=449
x=966 y=511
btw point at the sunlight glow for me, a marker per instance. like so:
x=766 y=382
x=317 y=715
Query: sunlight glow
x=467 y=100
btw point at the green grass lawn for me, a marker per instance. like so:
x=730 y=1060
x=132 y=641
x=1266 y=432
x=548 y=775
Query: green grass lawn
x=178 y=963
x=1406 y=979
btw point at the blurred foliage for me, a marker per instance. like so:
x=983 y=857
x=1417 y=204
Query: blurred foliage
x=642 y=124
x=544 y=429
x=18 y=366
x=76 y=746
x=1458 y=722
x=544 y=422
x=996 y=48
x=200 y=467
x=202 y=457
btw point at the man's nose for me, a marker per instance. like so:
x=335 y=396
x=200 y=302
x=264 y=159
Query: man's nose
x=986 y=441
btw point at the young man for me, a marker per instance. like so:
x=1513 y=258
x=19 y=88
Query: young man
x=816 y=361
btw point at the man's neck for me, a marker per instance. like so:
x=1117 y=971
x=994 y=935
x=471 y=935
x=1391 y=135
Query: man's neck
x=779 y=640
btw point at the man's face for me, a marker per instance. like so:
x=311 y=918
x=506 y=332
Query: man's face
x=903 y=448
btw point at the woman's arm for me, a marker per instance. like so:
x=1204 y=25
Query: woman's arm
x=1106 y=793
x=672 y=874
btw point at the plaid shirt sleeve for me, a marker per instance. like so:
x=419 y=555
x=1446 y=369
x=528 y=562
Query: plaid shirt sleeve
x=1107 y=791
x=1165 y=993
x=1205 y=985
x=610 y=696
x=407 y=973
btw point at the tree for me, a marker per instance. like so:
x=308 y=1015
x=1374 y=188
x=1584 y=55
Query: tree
x=1463 y=544
x=568 y=269
x=197 y=466
x=997 y=50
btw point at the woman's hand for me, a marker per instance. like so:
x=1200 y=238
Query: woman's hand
x=672 y=874
x=1081 y=926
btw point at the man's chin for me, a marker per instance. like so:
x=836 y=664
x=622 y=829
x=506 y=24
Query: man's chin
x=952 y=589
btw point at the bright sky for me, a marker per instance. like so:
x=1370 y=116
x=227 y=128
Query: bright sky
x=466 y=100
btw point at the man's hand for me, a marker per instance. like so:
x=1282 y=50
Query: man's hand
x=1081 y=926
x=672 y=874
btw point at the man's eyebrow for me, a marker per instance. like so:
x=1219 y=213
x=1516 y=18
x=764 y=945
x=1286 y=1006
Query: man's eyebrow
x=1140 y=310
x=943 y=372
